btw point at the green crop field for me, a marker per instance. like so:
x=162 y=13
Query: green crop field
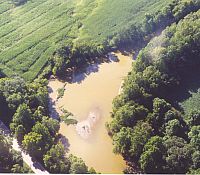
x=32 y=32
x=114 y=16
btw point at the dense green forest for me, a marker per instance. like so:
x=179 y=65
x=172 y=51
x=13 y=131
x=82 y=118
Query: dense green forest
x=155 y=125
x=25 y=110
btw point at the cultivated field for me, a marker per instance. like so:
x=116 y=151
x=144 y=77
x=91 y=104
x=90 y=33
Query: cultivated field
x=31 y=33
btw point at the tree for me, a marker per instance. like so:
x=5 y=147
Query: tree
x=43 y=130
x=47 y=139
x=122 y=141
x=34 y=144
x=5 y=156
x=196 y=159
x=22 y=116
x=127 y=116
x=55 y=160
x=194 y=136
x=14 y=90
x=152 y=158
x=142 y=132
x=160 y=108
x=39 y=113
x=20 y=133
x=77 y=165
x=196 y=171
x=174 y=128
x=10 y=160
x=178 y=157
x=38 y=93
x=52 y=125
x=193 y=118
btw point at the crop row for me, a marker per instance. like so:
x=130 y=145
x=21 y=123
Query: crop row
x=23 y=19
x=40 y=63
x=22 y=63
x=28 y=59
x=33 y=26
x=4 y=6
x=115 y=16
x=31 y=40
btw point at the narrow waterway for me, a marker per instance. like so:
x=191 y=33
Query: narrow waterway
x=89 y=98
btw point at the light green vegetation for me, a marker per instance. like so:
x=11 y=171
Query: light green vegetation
x=67 y=117
x=61 y=92
x=110 y=17
x=30 y=33
x=192 y=102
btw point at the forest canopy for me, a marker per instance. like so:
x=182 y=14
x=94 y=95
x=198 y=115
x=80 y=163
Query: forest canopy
x=149 y=127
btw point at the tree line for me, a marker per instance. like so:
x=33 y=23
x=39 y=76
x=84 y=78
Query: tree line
x=24 y=108
x=75 y=55
x=149 y=127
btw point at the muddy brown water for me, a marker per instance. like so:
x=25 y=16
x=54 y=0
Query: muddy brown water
x=93 y=93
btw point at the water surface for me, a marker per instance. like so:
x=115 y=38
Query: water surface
x=93 y=94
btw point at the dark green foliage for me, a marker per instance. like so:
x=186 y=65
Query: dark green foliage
x=178 y=158
x=174 y=127
x=52 y=125
x=127 y=115
x=152 y=159
x=34 y=144
x=155 y=84
x=10 y=160
x=122 y=141
x=77 y=165
x=13 y=90
x=38 y=141
x=44 y=131
x=141 y=134
x=19 y=2
x=20 y=132
x=23 y=116
x=130 y=142
x=55 y=160
x=193 y=118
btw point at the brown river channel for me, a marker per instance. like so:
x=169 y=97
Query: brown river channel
x=89 y=98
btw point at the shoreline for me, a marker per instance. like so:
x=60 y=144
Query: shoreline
x=80 y=98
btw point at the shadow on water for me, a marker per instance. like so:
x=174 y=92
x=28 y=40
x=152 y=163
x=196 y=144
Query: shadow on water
x=64 y=141
x=79 y=73
x=52 y=106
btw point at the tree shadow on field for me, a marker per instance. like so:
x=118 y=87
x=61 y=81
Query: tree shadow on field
x=190 y=83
